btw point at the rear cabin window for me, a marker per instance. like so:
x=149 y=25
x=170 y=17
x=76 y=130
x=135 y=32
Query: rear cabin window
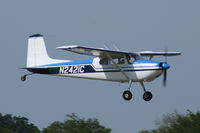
x=121 y=61
x=103 y=61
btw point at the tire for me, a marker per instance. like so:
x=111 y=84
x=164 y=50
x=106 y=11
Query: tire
x=147 y=96
x=23 y=78
x=127 y=95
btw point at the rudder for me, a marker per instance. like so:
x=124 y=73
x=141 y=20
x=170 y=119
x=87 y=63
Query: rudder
x=37 y=53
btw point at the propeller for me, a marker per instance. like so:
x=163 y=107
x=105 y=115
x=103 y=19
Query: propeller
x=165 y=71
x=165 y=78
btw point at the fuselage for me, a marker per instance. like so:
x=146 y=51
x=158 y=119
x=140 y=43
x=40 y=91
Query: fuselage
x=138 y=70
x=108 y=65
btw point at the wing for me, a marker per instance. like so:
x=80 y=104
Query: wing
x=151 y=53
x=100 y=52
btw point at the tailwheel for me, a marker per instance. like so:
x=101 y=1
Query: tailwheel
x=127 y=95
x=147 y=96
x=23 y=78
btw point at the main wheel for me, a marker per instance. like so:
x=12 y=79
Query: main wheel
x=147 y=96
x=127 y=95
x=23 y=78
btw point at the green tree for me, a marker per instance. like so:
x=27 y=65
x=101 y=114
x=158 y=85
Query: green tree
x=178 y=123
x=5 y=130
x=13 y=124
x=74 y=124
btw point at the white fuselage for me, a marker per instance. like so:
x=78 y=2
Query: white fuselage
x=140 y=70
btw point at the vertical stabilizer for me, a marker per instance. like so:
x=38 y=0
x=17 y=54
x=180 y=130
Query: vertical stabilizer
x=37 y=53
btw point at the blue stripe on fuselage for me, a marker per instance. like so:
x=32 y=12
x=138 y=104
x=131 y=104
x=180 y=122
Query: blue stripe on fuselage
x=141 y=61
x=79 y=62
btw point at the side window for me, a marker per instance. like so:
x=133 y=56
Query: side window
x=103 y=61
x=118 y=61
x=115 y=60
x=106 y=61
x=132 y=59
x=121 y=61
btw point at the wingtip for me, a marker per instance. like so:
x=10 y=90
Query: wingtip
x=67 y=47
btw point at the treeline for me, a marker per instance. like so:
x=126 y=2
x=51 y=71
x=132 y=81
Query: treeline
x=73 y=124
x=170 y=123
x=178 y=123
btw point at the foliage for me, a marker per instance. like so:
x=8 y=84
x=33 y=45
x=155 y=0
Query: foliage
x=10 y=124
x=76 y=125
x=178 y=123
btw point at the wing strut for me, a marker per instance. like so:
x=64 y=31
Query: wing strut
x=122 y=71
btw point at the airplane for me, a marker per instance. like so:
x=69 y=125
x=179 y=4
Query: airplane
x=107 y=64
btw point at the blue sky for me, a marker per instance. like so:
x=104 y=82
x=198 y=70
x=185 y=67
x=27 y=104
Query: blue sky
x=130 y=25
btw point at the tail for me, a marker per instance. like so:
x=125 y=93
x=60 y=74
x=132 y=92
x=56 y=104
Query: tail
x=37 y=53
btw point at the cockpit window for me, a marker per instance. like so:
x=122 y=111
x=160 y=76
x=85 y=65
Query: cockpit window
x=131 y=60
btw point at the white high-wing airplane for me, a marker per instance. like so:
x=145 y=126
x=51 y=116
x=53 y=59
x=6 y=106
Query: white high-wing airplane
x=109 y=65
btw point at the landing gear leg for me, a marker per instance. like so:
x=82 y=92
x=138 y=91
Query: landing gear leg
x=147 y=96
x=23 y=78
x=127 y=95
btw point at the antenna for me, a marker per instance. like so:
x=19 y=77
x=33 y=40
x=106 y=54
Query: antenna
x=116 y=47
x=106 y=47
